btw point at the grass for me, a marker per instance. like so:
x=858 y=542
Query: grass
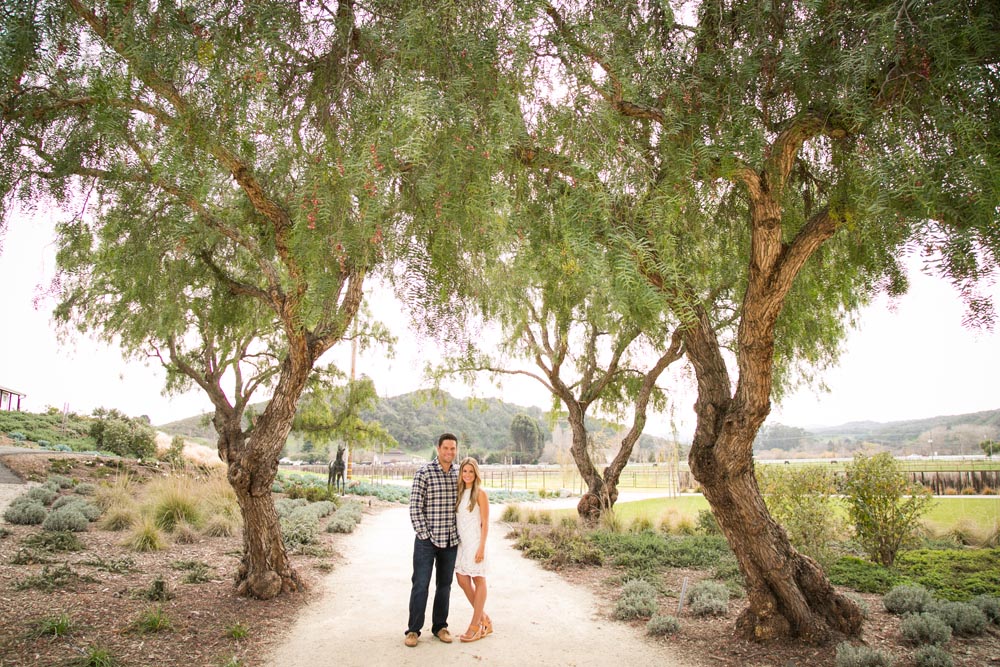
x=152 y=620
x=52 y=626
x=237 y=631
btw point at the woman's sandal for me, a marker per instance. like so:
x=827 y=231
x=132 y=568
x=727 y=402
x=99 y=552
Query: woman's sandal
x=475 y=636
x=487 y=626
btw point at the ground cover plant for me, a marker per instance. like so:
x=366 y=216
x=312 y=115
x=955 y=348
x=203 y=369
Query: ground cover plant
x=94 y=598
x=683 y=588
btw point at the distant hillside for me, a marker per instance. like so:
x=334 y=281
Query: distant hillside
x=416 y=419
x=947 y=434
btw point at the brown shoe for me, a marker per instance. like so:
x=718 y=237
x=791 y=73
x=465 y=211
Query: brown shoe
x=411 y=639
x=444 y=635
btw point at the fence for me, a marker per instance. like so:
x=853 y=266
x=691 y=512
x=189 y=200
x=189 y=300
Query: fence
x=671 y=478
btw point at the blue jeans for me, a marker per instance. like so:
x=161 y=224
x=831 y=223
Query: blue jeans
x=426 y=556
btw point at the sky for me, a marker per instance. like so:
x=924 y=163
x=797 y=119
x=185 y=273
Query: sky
x=911 y=358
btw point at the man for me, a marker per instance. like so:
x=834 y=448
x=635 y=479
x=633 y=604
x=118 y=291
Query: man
x=432 y=512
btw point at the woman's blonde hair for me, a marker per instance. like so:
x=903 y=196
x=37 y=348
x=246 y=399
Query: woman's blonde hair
x=476 y=483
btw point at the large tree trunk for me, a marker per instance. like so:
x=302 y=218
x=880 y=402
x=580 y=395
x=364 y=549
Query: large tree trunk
x=600 y=496
x=788 y=592
x=252 y=459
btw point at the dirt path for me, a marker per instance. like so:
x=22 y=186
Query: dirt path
x=540 y=619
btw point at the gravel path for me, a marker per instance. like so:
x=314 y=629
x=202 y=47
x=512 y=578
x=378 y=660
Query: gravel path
x=539 y=618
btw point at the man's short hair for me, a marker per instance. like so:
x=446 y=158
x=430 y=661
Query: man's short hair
x=446 y=436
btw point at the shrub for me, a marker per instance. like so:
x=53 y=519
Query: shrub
x=802 y=500
x=51 y=579
x=708 y=597
x=158 y=591
x=115 y=565
x=511 y=514
x=861 y=656
x=220 y=525
x=173 y=500
x=66 y=518
x=25 y=513
x=185 y=533
x=963 y=618
x=932 y=656
x=87 y=509
x=16 y=436
x=883 y=506
x=340 y=524
x=61 y=481
x=661 y=625
x=145 y=536
x=119 y=517
x=989 y=605
x=57 y=541
x=707 y=523
x=641 y=524
x=924 y=628
x=637 y=600
x=953 y=574
x=299 y=528
x=41 y=494
x=907 y=599
x=85 y=489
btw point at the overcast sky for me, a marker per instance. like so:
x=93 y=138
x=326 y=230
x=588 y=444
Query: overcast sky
x=911 y=358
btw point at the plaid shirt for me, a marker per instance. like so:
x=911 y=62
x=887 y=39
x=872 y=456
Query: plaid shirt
x=432 y=504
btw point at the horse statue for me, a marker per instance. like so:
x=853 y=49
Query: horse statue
x=335 y=476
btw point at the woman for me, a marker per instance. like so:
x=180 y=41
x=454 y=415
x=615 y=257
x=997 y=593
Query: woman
x=471 y=565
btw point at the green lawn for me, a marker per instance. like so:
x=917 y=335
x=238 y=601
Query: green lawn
x=945 y=512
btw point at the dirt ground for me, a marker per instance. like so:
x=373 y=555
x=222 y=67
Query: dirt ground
x=353 y=611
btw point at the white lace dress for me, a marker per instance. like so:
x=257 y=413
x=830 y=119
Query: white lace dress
x=469 y=532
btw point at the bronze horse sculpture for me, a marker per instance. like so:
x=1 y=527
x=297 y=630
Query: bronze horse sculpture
x=335 y=476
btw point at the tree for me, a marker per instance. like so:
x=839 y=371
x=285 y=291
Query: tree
x=527 y=437
x=329 y=413
x=883 y=506
x=756 y=168
x=990 y=447
x=234 y=172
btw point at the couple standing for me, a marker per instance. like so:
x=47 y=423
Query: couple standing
x=450 y=514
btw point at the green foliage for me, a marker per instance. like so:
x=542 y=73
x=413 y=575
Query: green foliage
x=114 y=565
x=145 y=535
x=95 y=656
x=299 y=527
x=708 y=598
x=849 y=655
x=197 y=571
x=26 y=513
x=637 y=600
x=990 y=606
x=66 y=518
x=661 y=625
x=71 y=428
x=907 y=599
x=329 y=413
x=151 y=621
x=85 y=489
x=61 y=481
x=990 y=447
x=120 y=434
x=802 y=500
x=157 y=591
x=52 y=579
x=932 y=656
x=81 y=505
x=53 y=626
x=642 y=552
x=511 y=514
x=174 y=454
x=883 y=506
x=964 y=619
x=707 y=523
x=526 y=434
x=52 y=542
x=953 y=574
x=237 y=631
x=41 y=494
x=924 y=628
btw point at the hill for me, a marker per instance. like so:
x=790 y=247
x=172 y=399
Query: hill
x=943 y=435
x=416 y=419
